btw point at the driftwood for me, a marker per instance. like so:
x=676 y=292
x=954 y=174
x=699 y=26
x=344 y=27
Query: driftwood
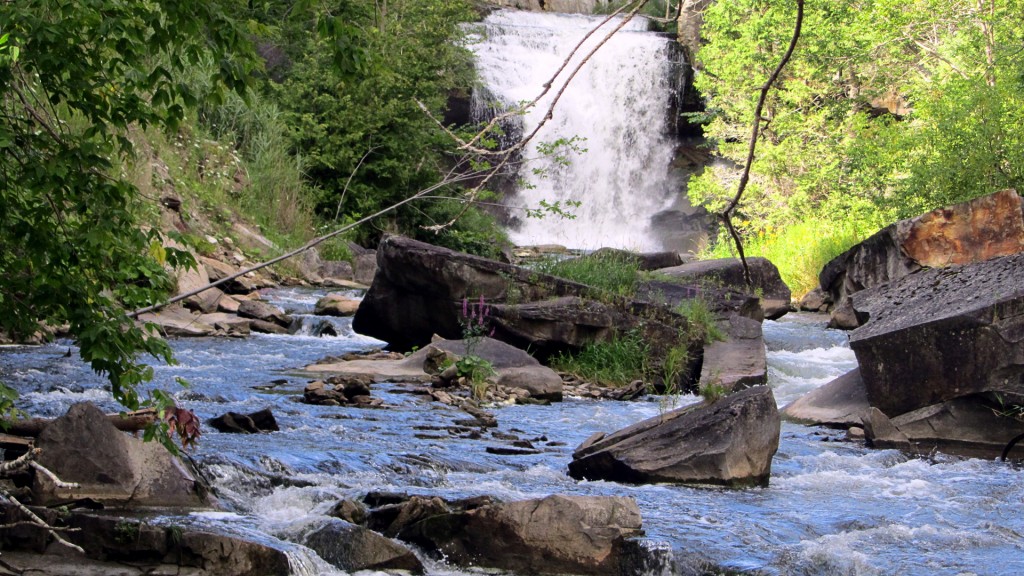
x=130 y=422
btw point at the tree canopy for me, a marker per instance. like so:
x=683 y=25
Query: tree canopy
x=76 y=79
x=887 y=109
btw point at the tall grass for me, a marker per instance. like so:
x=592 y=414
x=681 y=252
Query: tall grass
x=614 y=363
x=799 y=250
x=612 y=272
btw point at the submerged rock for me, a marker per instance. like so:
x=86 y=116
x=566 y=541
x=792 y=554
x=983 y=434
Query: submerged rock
x=730 y=442
x=252 y=423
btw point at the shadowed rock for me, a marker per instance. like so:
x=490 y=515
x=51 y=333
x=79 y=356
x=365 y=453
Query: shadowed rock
x=942 y=334
x=730 y=442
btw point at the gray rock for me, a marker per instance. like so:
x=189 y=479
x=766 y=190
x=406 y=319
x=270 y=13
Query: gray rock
x=364 y=267
x=177 y=321
x=419 y=291
x=841 y=403
x=739 y=361
x=126 y=546
x=728 y=273
x=353 y=548
x=942 y=334
x=552 y=535
x=112 y=467
x=815 y=301
x=970 y=426
x=260 y=310
x=730 y=442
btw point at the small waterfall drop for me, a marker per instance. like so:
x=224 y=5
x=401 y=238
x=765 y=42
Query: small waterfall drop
x=618 y=107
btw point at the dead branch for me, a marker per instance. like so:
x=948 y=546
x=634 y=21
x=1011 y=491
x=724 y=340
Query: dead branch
x=53 y=477
x=726 y=214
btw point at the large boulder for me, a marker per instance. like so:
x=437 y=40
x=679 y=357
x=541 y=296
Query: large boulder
x=839 y=404
x=552 y=535
x=729 y=442
x=974 y=231
x=110 y=466
x=942 y=334
x=420 y=290
x=353 y=548
x=728 y=273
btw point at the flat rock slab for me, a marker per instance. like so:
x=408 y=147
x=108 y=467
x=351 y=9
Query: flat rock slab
x=730 y=442
x=738 y=362
x=177 y=321
x=941 y=334
x=970 y=427
x=841 y=403
x=514 y=368
x=728 y=272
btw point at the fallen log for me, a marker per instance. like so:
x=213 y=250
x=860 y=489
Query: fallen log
x=128 y=422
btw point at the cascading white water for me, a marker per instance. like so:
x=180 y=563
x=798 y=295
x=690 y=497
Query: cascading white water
x=618 y=105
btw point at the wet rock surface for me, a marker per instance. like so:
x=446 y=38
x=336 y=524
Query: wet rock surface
x=730 y=442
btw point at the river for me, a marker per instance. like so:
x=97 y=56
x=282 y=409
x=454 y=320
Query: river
x=832 y=507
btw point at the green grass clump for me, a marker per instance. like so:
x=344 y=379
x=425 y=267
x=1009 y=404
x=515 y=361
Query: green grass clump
x=614 y=363
x=611 y=272
x=701 y=321
x=799 y=250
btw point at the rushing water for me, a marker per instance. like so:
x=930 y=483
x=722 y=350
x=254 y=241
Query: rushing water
x=617 y=106
x=832 y=507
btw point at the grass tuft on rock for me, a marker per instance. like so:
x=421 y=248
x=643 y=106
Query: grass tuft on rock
x=616 y=362
x=610 y=272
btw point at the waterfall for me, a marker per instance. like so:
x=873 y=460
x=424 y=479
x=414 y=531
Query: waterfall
x=618 y=109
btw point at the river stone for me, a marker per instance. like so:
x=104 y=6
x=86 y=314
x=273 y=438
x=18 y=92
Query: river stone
x=364 y=268
x=553 y=535
x=730 y=442
x=260 y=310
x=175 y=320
x=336 y=305
x=111 y=467
x=252 y=423
x=728 y=273
x=353 y=548
x=229 y=324
x=984 y=228
x=839 y=404
x=941 y=334
x=970 y=426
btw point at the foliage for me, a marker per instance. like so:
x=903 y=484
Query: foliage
x=712 y=391
x=615 y=362
x=700 y=321
x=75 y=79
x=612 y=272
x=831 y=151
x=365 y=141
x=475 y=326
x=800 y=250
